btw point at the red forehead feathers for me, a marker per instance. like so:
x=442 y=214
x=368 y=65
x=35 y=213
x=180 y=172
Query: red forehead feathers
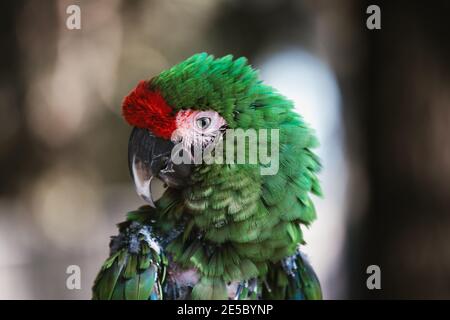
x=147 y=109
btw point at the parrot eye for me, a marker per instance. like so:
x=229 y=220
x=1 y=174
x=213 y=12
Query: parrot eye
x=203 y=122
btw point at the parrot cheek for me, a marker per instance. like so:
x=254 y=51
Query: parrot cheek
x=175 y=176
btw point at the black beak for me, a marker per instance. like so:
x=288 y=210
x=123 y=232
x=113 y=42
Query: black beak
x=149 y=160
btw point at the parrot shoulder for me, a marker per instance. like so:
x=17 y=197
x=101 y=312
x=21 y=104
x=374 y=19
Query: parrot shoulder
x=136 y=267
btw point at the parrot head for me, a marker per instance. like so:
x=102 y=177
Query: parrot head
x=191 y=104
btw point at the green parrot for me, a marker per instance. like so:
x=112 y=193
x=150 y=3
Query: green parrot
x=221 y=229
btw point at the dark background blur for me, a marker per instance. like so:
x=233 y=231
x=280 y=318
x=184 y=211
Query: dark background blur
x=378 y=99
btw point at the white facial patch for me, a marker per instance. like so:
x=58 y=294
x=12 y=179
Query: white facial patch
x=197 y=129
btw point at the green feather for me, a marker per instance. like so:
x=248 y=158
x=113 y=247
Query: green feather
x=146 y=283
x=209 y=289
x=130 y=268
x=119 y=291
x=131 y=275
x=132 y=288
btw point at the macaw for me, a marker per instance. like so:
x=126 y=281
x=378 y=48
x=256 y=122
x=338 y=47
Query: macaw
x=216 y=230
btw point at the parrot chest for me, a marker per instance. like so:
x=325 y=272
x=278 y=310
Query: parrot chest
x=180 y=282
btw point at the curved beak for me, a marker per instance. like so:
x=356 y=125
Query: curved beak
x=149 y=160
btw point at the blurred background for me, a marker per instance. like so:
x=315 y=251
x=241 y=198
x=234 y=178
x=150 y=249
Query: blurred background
x=378 y=99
